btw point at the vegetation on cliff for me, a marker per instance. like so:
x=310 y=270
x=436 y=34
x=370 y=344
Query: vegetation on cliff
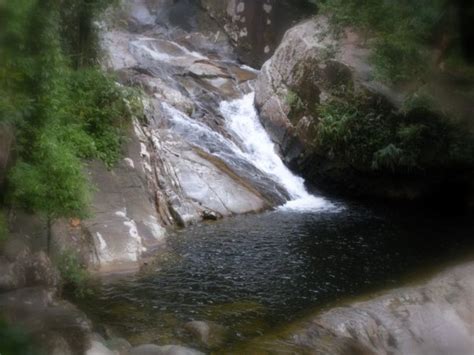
x=367 y=135
x=62 y=107
x=403 y=34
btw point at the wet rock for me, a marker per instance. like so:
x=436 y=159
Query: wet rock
x=310 y=69
x=147 y=349
x=151 y=349
x=42 y=272
x=38 y=312
x=256 y=27
x=178 y=350
x=119 y=345
x=125 y=225
x=26 y=269
x=209 y=334
x=98 y=348
x=434 y=318
x=52 y=343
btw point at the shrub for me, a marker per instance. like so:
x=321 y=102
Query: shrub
x=401 y=31
x=358 y=133
x=74 y=275
x=15 y=340
x=63 y=112
x=351 y=131
x=100 y=110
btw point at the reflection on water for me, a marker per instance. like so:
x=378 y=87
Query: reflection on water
x=251 y=273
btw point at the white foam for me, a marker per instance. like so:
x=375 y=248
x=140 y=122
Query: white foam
x=242 y=119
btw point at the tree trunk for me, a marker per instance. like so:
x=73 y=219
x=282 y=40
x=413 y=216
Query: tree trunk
x=48 y=235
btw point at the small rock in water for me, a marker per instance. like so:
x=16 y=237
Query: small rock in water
x=208 y=334
x=97 y=348
x=211 y=216
x=151 y=349
x=119 y=345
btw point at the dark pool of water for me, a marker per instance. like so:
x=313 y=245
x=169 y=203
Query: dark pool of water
x=252 y=273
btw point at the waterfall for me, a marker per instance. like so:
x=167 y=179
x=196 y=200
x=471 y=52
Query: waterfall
x=243 y=122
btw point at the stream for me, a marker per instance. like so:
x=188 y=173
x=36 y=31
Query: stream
x=249 y=272
x=257 y=272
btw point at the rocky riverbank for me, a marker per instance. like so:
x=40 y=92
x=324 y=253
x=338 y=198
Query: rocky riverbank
x=32 y=309
x=434 y=317
x=346 y=130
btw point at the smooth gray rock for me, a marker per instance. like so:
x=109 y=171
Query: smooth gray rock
x=39 y=312
x=209 y=334
x=98 y=348
x=256 y=27
x=119 y=345
x=27 y=270
x=147 y=349
x=52 y=343
x=433 y=318
x=151 y=349
x=191 y=173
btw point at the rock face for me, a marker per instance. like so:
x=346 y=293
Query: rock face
x=181 y=163
x=308 y=91
x=29 y=289
x=256 y=27
x=434 y=318
x=21 y=268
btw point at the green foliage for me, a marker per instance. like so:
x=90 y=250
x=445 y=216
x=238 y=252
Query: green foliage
x=352 y=131
x=368 y=137
x=401 y=31
x=78 y=33
x=390 y=158
x=14 y=341
x=294 y=101
x=51 y=183
x=63 y=112
x=100 y=109
x=73 y=273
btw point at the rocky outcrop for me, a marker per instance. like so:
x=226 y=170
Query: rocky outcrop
x=181 y=164
x=22 y=268
x=335 y=122
x=125 y=227
x=256 y=27
x=184 y=150
x=29 y=301
x=434 y=318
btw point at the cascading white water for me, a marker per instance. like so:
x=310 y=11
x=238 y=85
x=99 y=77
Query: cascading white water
x=243 y=121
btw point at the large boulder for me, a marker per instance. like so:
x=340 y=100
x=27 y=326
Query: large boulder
x=55 y=325
x=208 y=334
x=187 y=153
x=256 y=27
x=433 y=318
x=23 y=268
x=342 y=128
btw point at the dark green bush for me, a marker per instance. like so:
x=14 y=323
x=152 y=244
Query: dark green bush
x=368 y=137
x=64 y=110
x=401 y=31
x=14 y=341
x=73 y=273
